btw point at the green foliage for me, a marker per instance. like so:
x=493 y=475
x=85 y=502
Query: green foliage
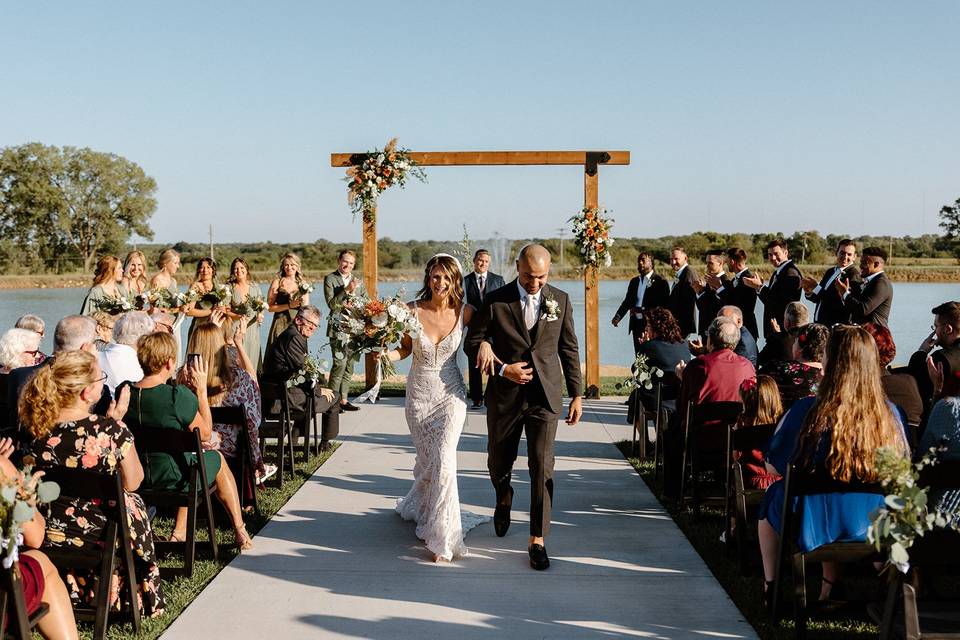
x=950 y=223
x=71 y=202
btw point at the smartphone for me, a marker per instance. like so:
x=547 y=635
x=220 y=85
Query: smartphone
x=193 y=360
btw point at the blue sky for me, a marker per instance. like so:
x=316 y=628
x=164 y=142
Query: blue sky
x=740 y=116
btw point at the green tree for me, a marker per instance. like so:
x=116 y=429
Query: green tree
x=950 y=223
x=74 y=200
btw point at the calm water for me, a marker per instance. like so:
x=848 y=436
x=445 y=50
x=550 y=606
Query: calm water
x=910 y=319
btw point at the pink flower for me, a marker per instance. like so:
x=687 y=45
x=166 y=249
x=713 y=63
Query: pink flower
x=53 y=441
x=89 y=460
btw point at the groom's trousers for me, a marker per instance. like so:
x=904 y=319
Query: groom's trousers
x=503 y=439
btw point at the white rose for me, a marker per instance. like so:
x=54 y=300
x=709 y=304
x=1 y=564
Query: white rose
x=380 y=320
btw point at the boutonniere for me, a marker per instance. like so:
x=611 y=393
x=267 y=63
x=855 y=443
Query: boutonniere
x=551 y=308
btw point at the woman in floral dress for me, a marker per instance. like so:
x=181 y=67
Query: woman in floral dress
x=799 y=378
x=54 y=408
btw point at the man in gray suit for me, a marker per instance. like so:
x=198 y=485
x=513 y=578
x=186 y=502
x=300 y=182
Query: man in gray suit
x=476 y=285
x=336 y=287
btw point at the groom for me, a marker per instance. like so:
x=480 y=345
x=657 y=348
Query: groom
x=519 y=335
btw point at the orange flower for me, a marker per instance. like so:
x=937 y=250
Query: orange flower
x=589 y=233
x=374 y=307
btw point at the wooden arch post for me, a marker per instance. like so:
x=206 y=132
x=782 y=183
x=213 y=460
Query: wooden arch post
x=589 y=160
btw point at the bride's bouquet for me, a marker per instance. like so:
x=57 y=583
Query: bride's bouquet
x=364 y=325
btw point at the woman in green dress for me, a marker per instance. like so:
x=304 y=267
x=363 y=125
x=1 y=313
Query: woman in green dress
x=285 y=296
x=165 y=279
x=204 y=282
x=154 y=403
x=135 y=279
x=242 y=309
x=107 y=287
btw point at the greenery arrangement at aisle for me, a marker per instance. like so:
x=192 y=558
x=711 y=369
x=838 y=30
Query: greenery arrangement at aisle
x=380 y=170
x=591 y=234
x=18 y=502
x=642 y=375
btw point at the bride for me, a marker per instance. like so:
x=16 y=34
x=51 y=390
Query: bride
x=436 y=410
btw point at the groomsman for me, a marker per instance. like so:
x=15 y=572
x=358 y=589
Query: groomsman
x=477 y=284
x=830 y=309
x=683 y=296
x=645 y=291
x=336 y=287
x=708 y=300
x=734 y=292
x=872 y=299
x=783 y=288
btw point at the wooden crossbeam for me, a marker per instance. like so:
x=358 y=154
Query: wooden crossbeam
x=493 y=158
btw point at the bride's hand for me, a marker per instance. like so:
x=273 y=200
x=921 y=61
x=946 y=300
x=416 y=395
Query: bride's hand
x=487 y=361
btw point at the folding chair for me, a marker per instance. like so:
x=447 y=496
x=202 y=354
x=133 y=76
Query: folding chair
x=742 y=500
x=704 y=443
x=277 y=425
x=13 y=607
x=107 y=488
x=237 y=417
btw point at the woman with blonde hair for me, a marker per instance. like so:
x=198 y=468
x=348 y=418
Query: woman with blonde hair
x=168 y=263
x=836 y=433
x=107 y=285
x=285 y=296
x=55 y=409
x=135 y=278
x=243 y=291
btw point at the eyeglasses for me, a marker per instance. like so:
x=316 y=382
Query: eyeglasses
x=312 y=326
x=102 y=378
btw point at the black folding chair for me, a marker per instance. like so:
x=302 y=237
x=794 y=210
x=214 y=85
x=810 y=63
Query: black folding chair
x=277 y=424
x=742 y=500
x=797 y=485
x=237 y=417
x=198 y=494
x=705 y=446
x=115 y=552
x=646 y=408
x=13 y=607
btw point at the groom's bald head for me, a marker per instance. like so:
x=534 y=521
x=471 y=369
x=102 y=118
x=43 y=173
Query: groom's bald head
x=533 y=267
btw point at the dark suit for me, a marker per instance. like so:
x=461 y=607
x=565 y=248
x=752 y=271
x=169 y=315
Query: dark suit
x=747 y=347
x=948 y=357
x=743 y=297
x=655 y=294
x=902 y=390
x=282 y=361
x=533 y=407
x=709 y=303
x=474 y=297
x=830 y=309
x=683 y=301
x=870 y=301
x=783 y=289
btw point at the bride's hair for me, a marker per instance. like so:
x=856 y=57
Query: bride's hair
x=451 y=269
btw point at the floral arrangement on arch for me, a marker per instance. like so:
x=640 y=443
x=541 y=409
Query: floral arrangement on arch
x=380 y=170
x=364 y=325
x=591 y=232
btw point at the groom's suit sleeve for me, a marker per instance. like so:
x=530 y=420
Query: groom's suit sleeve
x=569 y=353
x=477 y=331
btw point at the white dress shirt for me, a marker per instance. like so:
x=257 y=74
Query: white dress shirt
x=119 y=363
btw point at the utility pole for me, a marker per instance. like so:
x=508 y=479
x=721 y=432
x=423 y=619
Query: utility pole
x=211 y=243
x=561 y=230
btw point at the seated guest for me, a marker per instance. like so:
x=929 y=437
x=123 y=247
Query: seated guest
x=943 y=430
x=18 y=348
x=231 y=384
x=154 y=403
x=761 y=406
x=836 y=433
x=901 y=388
x=779 y=345
x=285 y=357
x=941 y=347
x=162 y=320
x=799 y=377
x=747 y=347
x=664 y=348
x=105 y=324
x=55 y=409
x=39 y=579
x=36 y=324
x=715 y=376
x=118 y=359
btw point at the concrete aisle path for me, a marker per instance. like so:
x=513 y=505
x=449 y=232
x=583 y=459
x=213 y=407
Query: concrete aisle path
x=337 y=562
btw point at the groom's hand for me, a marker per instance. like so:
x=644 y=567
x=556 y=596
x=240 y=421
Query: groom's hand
x=575 y=411
x=519 y=372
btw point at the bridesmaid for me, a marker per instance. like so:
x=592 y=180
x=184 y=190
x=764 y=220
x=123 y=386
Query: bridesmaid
x=107 y=283
x=168 y=264
x=135 y=278
x=242 y=291
x=203 y=283
x=284 y=297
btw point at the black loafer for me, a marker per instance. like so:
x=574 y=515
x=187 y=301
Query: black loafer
x=346 y=406
x=501 y=517
x=538 y=557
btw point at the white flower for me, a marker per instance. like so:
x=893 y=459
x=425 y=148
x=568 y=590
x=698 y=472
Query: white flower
x=379 y=320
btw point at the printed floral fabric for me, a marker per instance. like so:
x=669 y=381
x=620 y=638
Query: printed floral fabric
x=97 y=444
x=245 y=393
x=795 y=380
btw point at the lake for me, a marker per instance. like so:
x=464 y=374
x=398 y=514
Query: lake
x=910 y=319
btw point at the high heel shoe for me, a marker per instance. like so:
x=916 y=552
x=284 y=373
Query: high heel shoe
x=244 y=541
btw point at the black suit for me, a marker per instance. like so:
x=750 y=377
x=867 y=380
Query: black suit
x=474 y=297
x=870 y=301
x=533 y=407
x=656 y=294
x=282 y=361
x=683 y=301
x=709 y=303
x=743 y=297
x=783 y=289
x=830 y=308
x=948 y=357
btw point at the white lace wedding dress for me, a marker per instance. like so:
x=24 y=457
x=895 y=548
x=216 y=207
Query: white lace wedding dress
x=436 y=410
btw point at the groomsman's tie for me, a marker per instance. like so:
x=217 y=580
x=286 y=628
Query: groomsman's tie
x=530 y=312
x=481 y=282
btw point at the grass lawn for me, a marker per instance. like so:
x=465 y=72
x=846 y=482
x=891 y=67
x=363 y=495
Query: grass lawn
x=850 y=623
x=181 y=591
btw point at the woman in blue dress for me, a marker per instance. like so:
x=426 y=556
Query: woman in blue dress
x=835 y=432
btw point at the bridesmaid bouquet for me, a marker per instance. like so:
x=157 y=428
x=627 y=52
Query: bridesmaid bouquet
x=219 y=296
x=642 y=374
x=114 y=305
x=364 y=325
x=16 y=500
x=163 y=298
x=252 y=306
x=303 y=289
x=314 y=368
